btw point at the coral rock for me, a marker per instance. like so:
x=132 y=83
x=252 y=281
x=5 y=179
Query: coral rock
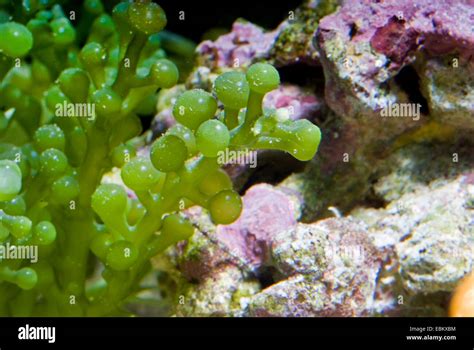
x=333 y=267
x=243 y=44
x=365 y=45
x=244 y=243
x=222 y=294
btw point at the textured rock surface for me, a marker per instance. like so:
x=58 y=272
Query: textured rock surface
x=426 y=228
x=245 y=243
x=333 y=267
x=448 y=85
x=294 y=101
x=222 y=294
x=364 y=45
x=432 y=215
x=246 y=42
x=403 y=259
x=294 y=42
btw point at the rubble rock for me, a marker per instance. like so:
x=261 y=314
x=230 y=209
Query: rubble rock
x=244 y=243
x=333 y=268
x=364 y=46
x=245 y=43
x=222 y=294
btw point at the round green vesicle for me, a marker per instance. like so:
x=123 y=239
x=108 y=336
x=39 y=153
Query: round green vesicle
x=53 y=162
x=212 y=137
x=21 y=158
x=263 y=78
x=63 y=32
x=194 y=107
x=26 y=278
x=122 y=255
x=41 y=32
x=107 y=101
x=308 y=137
x=177 y=227
x=65 y=189
x=120 y=17
x=39 y=73
x=147 y=17
x=19 y=226
x=44 y=15
x=20 y=77
x=74 y=82
x=168 y=153
x=122 y=154
x=215 y=183
x=16 y=206
x=44 y=233
x=10 y=180
x=103 y=25
x=94 y=6
x=232 y=89
x=186 y=135
x=225 y=207
x=16 y=41
x=109 y=200
x=136 y=211
x=164 y=73
x=139 y=174
x=93 y=54
x=49 y=136
x=55 y=99
x=100 y=245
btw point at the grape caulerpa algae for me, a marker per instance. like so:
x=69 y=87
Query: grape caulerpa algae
x=51 y=167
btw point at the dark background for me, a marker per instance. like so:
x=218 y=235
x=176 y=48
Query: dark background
x=204 y=15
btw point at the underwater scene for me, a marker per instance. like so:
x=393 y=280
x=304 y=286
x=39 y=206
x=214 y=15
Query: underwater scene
x=304 y=158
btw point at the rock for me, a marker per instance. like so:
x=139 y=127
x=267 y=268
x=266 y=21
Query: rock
x=294 y=101
x=433 y=219
x=426 y=227
x=267 y=211
x=298 y=296
x=365 y=46
x=452 y=103
x=414 y=167
x=222 y=294
x=245 y=43
x=436 y=256
x=244 y=243
x=291 y=42
x=333 y=269
x=404 y=258
x=294 y=42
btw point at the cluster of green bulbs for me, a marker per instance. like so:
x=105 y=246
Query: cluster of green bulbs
x=51 y=167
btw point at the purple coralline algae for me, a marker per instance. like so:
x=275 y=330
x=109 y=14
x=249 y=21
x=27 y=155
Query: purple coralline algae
x=238 y=48
x=365 y=46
